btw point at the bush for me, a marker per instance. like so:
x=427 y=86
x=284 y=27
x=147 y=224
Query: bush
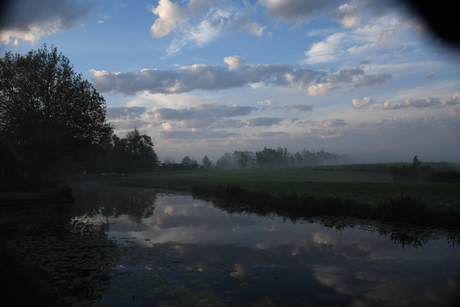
x=450 y=176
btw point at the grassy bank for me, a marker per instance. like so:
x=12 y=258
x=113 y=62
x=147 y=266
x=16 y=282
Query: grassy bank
x=364 y=191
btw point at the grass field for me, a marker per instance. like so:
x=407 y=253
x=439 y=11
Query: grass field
x=363 y=183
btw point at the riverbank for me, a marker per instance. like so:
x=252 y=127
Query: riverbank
x=361 y=191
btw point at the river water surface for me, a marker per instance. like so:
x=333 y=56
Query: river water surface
x=144 y=247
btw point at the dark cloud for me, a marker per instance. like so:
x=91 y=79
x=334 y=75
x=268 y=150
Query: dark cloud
x=190 y=135
x=203 y=116
x=346 y=13
x=200 y=111
x=50 y=16
x=454 y=100
x=369 y=80
x=212 y=78
x=297 y=10
x=202 y=77
x=334 y=123
x=426 y=102
x=271 y=135
x=124 y=112
x=299 y=108
x=264 y=121
x=228 y=123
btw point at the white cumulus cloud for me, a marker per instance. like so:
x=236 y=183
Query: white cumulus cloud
x=361 y=103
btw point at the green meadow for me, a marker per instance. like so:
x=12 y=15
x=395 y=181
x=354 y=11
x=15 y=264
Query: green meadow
x=365 y=190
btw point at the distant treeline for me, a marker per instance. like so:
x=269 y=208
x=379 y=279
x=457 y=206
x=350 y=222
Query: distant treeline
x=135 y=154
x=132 y=154
x=280 y=157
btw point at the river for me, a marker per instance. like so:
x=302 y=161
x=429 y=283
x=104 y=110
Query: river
x=144 y=247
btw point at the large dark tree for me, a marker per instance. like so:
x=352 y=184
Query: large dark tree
x=48 y=113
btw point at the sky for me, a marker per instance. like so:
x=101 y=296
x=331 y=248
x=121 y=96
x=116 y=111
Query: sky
x=366 y=78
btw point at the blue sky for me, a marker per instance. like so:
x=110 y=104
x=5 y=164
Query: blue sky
x=206 y=77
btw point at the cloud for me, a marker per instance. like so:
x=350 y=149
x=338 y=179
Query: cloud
x=211 y=78
x=129 y=124
x=256 y=29
x=202 y=116
x=352 y=77
x=369 y=80
x=201 y=22
x=454 y=100
x=124 y=112
x=169 y=14
x=228 y=123
x=321 y=89
x=299 y=108
x=168 y=126
x=357 y=41
x=296 y=10
x=454 y=112
x=347 y=15
x=28 y=20
x=334 y=123
x=325 y=51
x=267 y=103
x=430 y=75
x=361 y=103
x=193 y=135
x=234 y=62
x=272 y=135
x=264 y=121
x=425 y=102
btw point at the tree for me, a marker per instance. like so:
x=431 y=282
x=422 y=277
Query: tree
x=186 y=160
x=207 y=164
x=48 y=113
x=140 y=153
x=169 y=161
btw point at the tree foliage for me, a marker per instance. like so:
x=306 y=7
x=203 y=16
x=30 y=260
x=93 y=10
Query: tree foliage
x=207 y=164
x=131 y=154
x=48 y=113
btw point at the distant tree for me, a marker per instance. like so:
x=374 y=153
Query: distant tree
x=225 y=162
x=207 y=164
x=48 y=113
x=269 y=157
x=169 y=161
x=186 y=160
x=243 y=158
x=193 y=164
x=406 y=172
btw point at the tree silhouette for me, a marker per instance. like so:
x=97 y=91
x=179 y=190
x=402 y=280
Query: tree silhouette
x=48 y=113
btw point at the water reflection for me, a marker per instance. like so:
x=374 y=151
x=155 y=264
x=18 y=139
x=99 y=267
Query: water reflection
x=284 y=261
x=141 y=246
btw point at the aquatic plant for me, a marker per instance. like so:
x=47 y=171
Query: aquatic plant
x=402 y=208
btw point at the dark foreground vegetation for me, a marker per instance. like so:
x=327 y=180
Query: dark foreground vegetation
x=362 y=191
